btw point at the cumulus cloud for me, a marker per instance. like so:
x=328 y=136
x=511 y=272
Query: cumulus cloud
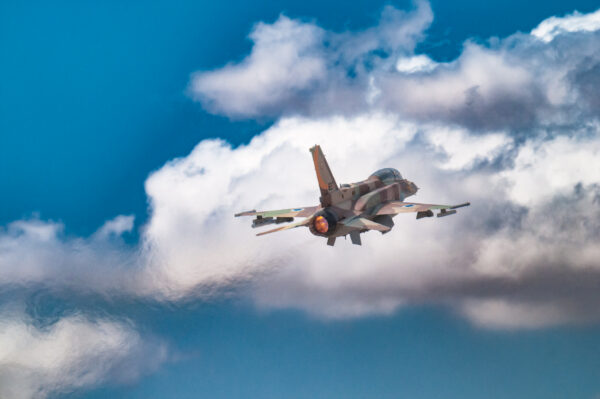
x=515 y=83
x=73 y=353
x=543 y=169
x=116 y=227
x=286 y=60
x=416 y=63
x=576 y=22
x=36 y=253
x=296 y=66
x=528 y=241
x=511 y=125
x=195 y=241
x=520 y=250
x=462 y=150
x=503 y=250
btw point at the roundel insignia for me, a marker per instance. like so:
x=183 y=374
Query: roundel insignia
x=408 y=205
x=297 y=209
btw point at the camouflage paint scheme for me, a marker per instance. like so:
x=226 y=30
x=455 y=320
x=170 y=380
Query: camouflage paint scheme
x=351 y=209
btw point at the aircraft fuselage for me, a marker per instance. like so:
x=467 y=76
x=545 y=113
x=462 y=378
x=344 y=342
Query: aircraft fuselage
x=364 y=199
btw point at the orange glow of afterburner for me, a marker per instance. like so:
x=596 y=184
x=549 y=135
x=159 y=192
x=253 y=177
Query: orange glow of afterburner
x=321 y=224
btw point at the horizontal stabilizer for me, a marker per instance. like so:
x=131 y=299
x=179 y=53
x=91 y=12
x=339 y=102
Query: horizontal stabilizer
x=364 y=223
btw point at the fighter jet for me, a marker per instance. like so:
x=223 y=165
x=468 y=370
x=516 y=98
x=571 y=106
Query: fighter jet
x=352 y=209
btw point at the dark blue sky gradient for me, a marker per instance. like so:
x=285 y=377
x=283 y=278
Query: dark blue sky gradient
x=233 y=352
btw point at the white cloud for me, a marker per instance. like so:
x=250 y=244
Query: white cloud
x=286 y=58
x=506 y=314
x=397 y=32
x=508 y=127
x=514 y=83
x=544 y=169
x=195 y=241
x=296 y=66
x=548 y=29
x=116 y=227
x=74 y=353
x=34 y=252
x=417 y=63
x=198 y=245
x=193 y=247
x=504 y=87
x=461 y=149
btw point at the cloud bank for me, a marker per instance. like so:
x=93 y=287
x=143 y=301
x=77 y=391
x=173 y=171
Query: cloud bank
x=75 y=352
x=298 y=67
x=514 y=246
x=520 y=245
x=510 y=125
x=522 y=82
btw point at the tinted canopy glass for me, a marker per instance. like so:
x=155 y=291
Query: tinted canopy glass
x=388 y=174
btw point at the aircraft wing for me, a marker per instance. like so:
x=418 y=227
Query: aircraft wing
x=264 y=218
x=282 y=213
x=423 y=210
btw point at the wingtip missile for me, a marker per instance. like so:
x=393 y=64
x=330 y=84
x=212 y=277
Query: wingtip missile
x=245 y=213
x=460 y=205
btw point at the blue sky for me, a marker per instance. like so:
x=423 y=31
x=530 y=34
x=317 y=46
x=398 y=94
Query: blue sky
x=106 y=83
x=96 y=97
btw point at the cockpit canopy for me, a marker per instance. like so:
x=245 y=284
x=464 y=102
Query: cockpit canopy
x=388 y=175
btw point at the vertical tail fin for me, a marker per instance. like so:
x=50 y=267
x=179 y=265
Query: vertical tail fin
x=327 y=183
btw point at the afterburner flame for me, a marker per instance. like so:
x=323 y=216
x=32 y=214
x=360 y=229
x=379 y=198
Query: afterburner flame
x=321 y=224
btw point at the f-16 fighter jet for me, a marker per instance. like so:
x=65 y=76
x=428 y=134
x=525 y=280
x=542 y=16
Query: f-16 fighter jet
x=352 y=209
